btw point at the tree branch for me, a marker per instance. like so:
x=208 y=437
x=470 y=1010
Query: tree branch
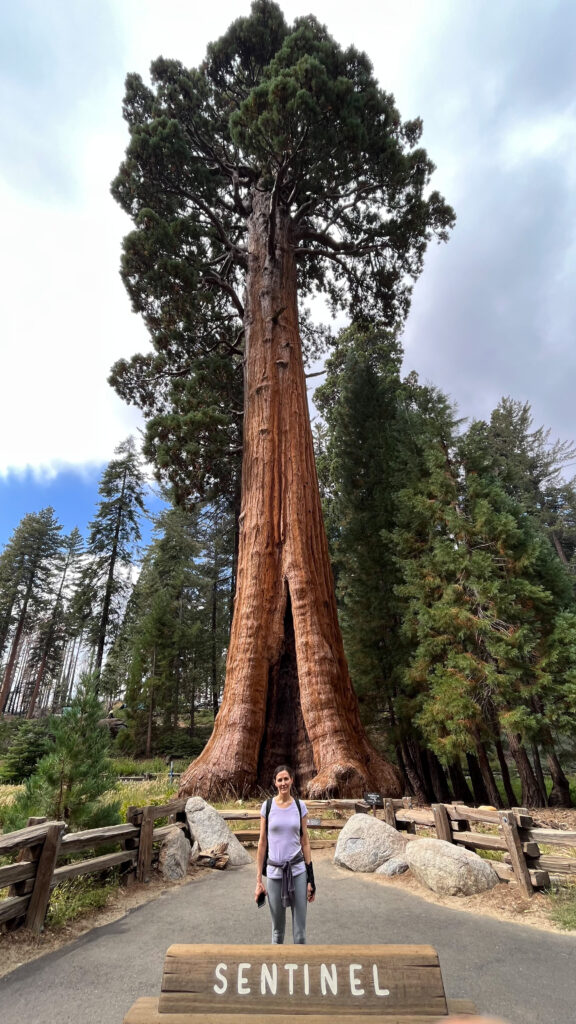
x=224 y=286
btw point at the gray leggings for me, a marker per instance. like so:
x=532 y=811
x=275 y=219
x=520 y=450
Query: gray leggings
x=278 y=912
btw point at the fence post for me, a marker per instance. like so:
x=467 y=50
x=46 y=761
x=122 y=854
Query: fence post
x=40 y=898
x=519 y=867
x=389 y=813
x=408 y=826
x=133 y=817
x=442 y=823
x=145 y=845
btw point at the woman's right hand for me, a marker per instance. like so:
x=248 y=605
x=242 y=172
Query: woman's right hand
x=260 y=888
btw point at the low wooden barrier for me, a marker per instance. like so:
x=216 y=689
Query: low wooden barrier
x=42 y=846
x=511 y=832
x=214 y=984
x=517 y=837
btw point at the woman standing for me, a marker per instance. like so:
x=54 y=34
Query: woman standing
x=289 y=872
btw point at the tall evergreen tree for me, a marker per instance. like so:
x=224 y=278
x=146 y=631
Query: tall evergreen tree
x=529 y=466
x=112 y=545
x=53 y=632
x=378 y=430
x=70 y=780
x=277 y=168
x=34 y=552
x=484 y=593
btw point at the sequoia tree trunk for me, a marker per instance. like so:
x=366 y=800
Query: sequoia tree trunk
x=288 y=695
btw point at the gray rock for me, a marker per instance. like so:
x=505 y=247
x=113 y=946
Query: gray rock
x=366 y=842
x=194 y=852
x=174 y=855
x=209 y=829
x=394 y=866
x=449 y=870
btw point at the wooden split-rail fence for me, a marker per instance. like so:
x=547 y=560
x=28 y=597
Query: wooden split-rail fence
x=45 y=855
x=512 y=833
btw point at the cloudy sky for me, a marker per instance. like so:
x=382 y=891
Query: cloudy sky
x=494 y=312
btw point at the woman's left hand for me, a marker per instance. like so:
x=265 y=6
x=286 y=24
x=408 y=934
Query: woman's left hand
x=311 y=895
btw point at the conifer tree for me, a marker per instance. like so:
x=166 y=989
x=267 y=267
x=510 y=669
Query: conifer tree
x=34 y=552
x=379 y=428
x=484 y=593
x=27 y=747
x=275 y=169
x=111 y=547
x=529 y=466
x=169 y=654
x=71 y=778
x=52 y=635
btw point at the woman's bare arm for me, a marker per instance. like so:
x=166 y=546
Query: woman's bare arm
x=260 y=854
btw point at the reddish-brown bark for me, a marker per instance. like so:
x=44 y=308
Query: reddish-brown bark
x=288 y=695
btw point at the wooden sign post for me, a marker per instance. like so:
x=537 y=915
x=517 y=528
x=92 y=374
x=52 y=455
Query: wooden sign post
x=298 y=985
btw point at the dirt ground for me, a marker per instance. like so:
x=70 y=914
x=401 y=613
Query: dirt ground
x=504 y=902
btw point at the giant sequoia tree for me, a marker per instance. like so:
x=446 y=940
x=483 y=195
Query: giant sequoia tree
x=276 y=169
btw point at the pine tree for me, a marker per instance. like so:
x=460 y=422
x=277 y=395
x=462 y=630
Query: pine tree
x=171 y=647
x=529 y=467
x=484 y=593
x=34 y=553
x=70 y=780
x=53 y=634
x=29 y=745
x=276 y=169
x=111 y=547
x=378 y=429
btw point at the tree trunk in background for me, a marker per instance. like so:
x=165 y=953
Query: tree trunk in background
x=537 y=765
x=480 y=791
x=442 y=794
x=419 y=781
x=9 y=670
x=506 y=781
x=560 y=792
x=213 y=651
x=288 y=696
x=460 y=786
x=531 y=796
x=150 y=723
x=494 y=798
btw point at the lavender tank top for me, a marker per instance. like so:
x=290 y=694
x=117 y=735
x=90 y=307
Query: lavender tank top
x=283 y=836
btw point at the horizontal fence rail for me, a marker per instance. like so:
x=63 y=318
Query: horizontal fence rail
x=44 y=851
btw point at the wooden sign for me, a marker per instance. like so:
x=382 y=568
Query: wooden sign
x=318 y=980
x=374 y=799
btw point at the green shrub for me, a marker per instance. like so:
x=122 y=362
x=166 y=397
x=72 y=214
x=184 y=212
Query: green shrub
x=178 y=744
x=70 y=780
x=77 y=896
x=563 y=906
x=8 y=728
x=28 y=745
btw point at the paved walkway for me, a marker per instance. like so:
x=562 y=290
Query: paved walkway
x=524 y=975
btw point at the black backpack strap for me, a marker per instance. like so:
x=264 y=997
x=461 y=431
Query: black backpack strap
x=300 y=813
x=268 y=806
